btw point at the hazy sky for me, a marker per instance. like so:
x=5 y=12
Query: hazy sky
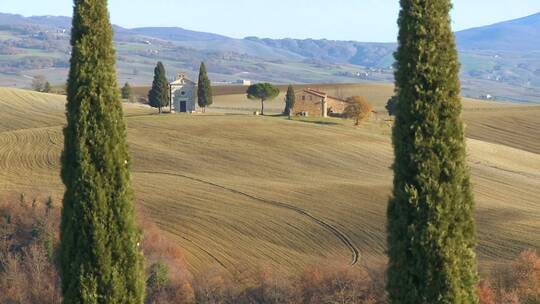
x=362 y=20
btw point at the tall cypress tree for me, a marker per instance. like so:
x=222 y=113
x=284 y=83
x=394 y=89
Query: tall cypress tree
x=99 y=255
x=431 y=233
x=158 y=96
x=290 y=100
x=204 y=89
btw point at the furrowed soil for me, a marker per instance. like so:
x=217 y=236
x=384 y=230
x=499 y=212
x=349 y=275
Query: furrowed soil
x=241 y=192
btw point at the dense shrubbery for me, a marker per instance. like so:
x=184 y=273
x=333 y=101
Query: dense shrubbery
x=28 y=234
x=314 y=285
x=29 y=241
x=517 y=283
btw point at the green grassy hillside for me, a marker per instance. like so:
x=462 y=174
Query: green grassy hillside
x=240 y=192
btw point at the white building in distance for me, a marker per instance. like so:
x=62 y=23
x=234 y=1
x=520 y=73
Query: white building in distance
x=182 y=97
x=243 y=82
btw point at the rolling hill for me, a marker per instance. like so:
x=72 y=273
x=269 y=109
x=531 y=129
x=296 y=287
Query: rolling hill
x=520 y=35
x=502 y=60
x=239 y=192
x=178 y=34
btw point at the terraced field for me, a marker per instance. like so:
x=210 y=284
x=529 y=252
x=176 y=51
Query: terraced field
x=240 y=192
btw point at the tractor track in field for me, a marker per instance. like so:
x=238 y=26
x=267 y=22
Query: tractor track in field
x=213 y=257
x=344 y=238
x=206 y=251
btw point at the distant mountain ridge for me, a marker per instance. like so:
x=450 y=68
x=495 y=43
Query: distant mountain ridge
x=57 y=21
x=178 y=34
x=502 y=59
x=521 y=34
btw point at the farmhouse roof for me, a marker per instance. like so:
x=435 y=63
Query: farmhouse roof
x=315 y=92
x=337 y=98
x=321 y=94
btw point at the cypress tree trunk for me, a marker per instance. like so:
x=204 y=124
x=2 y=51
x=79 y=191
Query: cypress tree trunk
x=431 y=233
x=100 y=261
x=204 y=89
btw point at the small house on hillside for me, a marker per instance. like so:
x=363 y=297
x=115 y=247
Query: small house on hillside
x=314 y=103
x=182 y=92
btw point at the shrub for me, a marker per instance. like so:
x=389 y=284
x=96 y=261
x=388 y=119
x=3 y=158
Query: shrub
x=168 y=273
x=28 y=239
x=157 y=282
x=28 y=273
x=518 y=282
x=158 y=276
x=526 y=274
x=486 y=294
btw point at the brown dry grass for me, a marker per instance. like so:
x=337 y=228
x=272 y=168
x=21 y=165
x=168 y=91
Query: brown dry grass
x=238 y=191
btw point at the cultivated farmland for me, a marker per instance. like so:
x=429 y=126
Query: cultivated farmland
x=241 y=192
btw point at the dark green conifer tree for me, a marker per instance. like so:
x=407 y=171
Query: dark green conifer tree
x=290 y=100
x=431 y=233
x=126 y=91
x=204 y=89
x=391 y=105
x=100 y=259
x=47 y=87
x=158 y=96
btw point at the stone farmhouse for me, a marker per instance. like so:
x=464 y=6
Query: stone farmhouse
x=314 y=103
x=183 y=92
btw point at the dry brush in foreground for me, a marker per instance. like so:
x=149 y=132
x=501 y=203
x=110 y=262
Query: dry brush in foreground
x=28 y=270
